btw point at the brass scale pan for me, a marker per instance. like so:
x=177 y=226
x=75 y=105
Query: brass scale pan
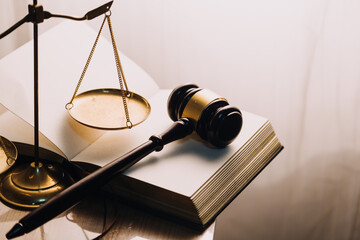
x=105 y=109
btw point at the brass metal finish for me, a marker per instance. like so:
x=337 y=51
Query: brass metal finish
x=198 y=103
x=108 y=109
x=8 y=154
x=104 y=109
x=27 y=185
x=36 y=177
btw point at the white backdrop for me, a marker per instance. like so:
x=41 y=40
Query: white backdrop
x=294 y=62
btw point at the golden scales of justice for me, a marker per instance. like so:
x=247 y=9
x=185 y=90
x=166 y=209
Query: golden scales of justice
x=30 y=175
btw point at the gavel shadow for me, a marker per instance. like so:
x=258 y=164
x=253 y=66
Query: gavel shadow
x=102 y=213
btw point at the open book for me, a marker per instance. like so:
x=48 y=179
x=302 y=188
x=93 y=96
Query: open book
x=187 y=179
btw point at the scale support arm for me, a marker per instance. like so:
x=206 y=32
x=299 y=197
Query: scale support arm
x=37 y=15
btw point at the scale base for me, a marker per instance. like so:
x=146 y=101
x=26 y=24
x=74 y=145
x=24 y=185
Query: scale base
x=28 y=185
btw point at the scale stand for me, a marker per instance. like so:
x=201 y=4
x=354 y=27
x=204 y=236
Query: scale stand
x=33 y=182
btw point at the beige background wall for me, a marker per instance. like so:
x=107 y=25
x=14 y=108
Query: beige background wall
x=294 y=62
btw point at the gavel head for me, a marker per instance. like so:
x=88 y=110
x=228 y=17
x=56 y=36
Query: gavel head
x=215 y=121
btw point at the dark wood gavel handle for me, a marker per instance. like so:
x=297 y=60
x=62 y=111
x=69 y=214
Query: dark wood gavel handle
x=76 y=192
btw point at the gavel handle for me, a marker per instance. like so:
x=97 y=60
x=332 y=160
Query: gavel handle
x=76 y=192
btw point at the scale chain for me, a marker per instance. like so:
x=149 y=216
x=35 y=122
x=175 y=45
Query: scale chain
x=69 y=105
x=120 y=72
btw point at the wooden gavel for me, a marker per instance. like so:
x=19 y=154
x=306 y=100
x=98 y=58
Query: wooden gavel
x=190 y=107
x=213 y=119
